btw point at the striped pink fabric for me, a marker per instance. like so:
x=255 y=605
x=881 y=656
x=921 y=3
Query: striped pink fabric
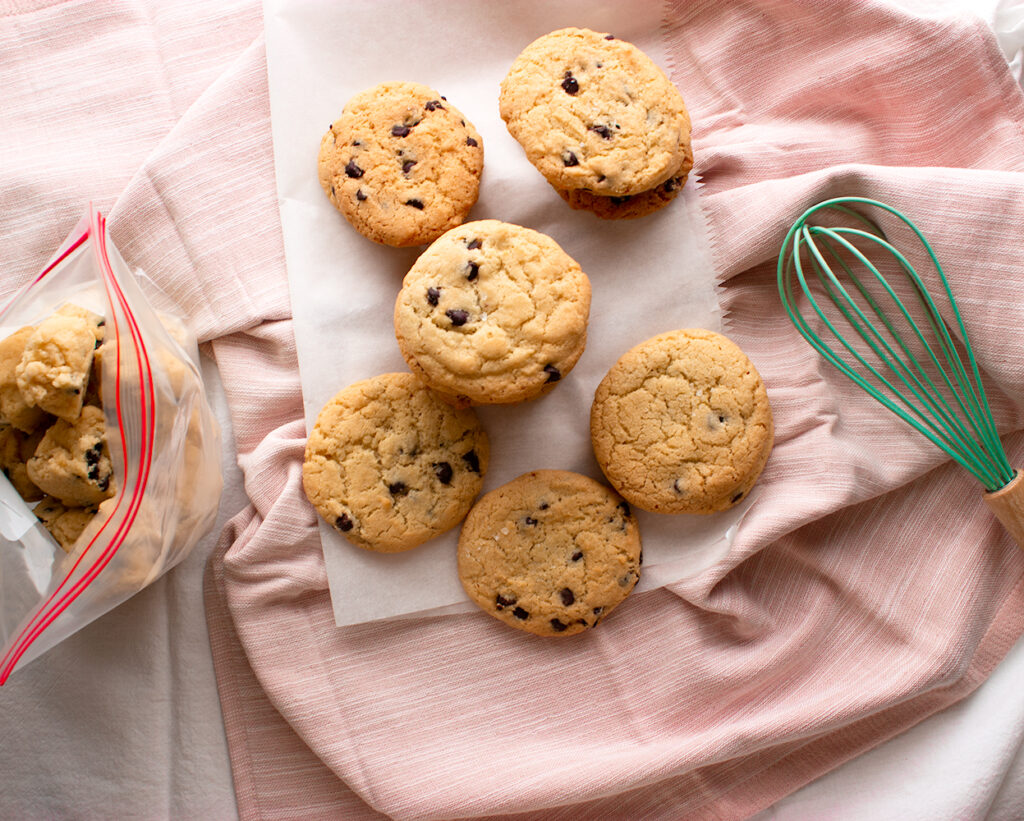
x=868 y=587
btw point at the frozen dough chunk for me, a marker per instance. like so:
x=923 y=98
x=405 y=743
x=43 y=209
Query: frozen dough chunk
x=65 y=524
x=72 y=462
x=55 y=366
x=16 y=448
x=13 y=408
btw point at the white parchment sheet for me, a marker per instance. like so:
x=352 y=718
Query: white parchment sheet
x=648 y=275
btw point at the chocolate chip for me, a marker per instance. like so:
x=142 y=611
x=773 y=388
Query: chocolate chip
x=433 y=105
x=678 y=486
x=570 y=159
x=360 y=195
x=602 y=130
x=521 y=614
x=553 y=373
x=470 y=141
x=104 y=482
x=457 y=316
x=598 y=611
x=400 y=131
x=641 y=559
x=472 y=461
x=356 y=143
x=415 y=203
x=624 y=507
x=619 y=200
x=670 y=185
x=501 y=602
x=98 y=343
x=353 y=170
x=544 y=505
x=343 y=523
x=577 y=555
x=92 y=455
x=530 y=521
x=398 y=489
x=406 y=168
x=433 y=295
x=474 y=269
x=721 y=418
x=609 y=37
x=443 y=472
x=625 y=580
x=567 y=596
x=557 y=625
x=474 y=243
x=569 y=85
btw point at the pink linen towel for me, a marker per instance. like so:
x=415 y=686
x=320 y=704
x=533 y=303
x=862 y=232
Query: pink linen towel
x=868 y=587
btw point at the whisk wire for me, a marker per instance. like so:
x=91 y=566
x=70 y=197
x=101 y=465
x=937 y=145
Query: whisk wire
x=964 y=427
x=909 y=366
x=956 y=445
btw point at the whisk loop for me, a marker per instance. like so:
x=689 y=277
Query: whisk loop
x=906 y=357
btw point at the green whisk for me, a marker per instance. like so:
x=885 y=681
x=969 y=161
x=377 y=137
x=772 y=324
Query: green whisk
x=901 y=351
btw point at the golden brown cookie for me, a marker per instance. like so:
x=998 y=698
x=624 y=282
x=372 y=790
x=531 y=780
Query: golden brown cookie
x=551 y=552
x=681 y=423
x=402 y=164
x=593 y=112
x=493 y=313
x=632 y=206
x=389 y=465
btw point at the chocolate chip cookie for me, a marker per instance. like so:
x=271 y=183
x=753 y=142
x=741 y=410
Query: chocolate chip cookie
x=595 y=113
x=65 y=524
x=401 y=163
x=551 y=552
x=493 y=313
x=389 y=465
x=632 y=206
x=72 y=462
x=681 y=423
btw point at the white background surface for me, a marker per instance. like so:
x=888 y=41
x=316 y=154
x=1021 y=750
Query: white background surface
x=122 y=720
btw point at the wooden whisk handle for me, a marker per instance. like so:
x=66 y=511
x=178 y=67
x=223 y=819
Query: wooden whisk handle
x=1008 y=505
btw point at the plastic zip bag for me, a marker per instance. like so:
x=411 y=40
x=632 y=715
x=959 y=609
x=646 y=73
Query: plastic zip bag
x=159 y=468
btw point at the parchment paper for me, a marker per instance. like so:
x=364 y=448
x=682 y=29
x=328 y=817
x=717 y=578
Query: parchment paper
x=648 y=275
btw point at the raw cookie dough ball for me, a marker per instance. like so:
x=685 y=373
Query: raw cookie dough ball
x=551 y=552
x=389 y=465
x=402 y=164
x=493 y=313
x=595 y=113
x=13 y=407
x=16 y=448
x=681 y=423
x=65 y=524
x=632 y=206
x=72 y=463
x=55 y=366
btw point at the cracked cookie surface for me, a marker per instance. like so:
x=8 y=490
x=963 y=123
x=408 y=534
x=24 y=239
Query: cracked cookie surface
x=493 y=313
x=551 y=552
x=401 y=163
x=681 y=423
x=594 y=112
x=389 y=465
